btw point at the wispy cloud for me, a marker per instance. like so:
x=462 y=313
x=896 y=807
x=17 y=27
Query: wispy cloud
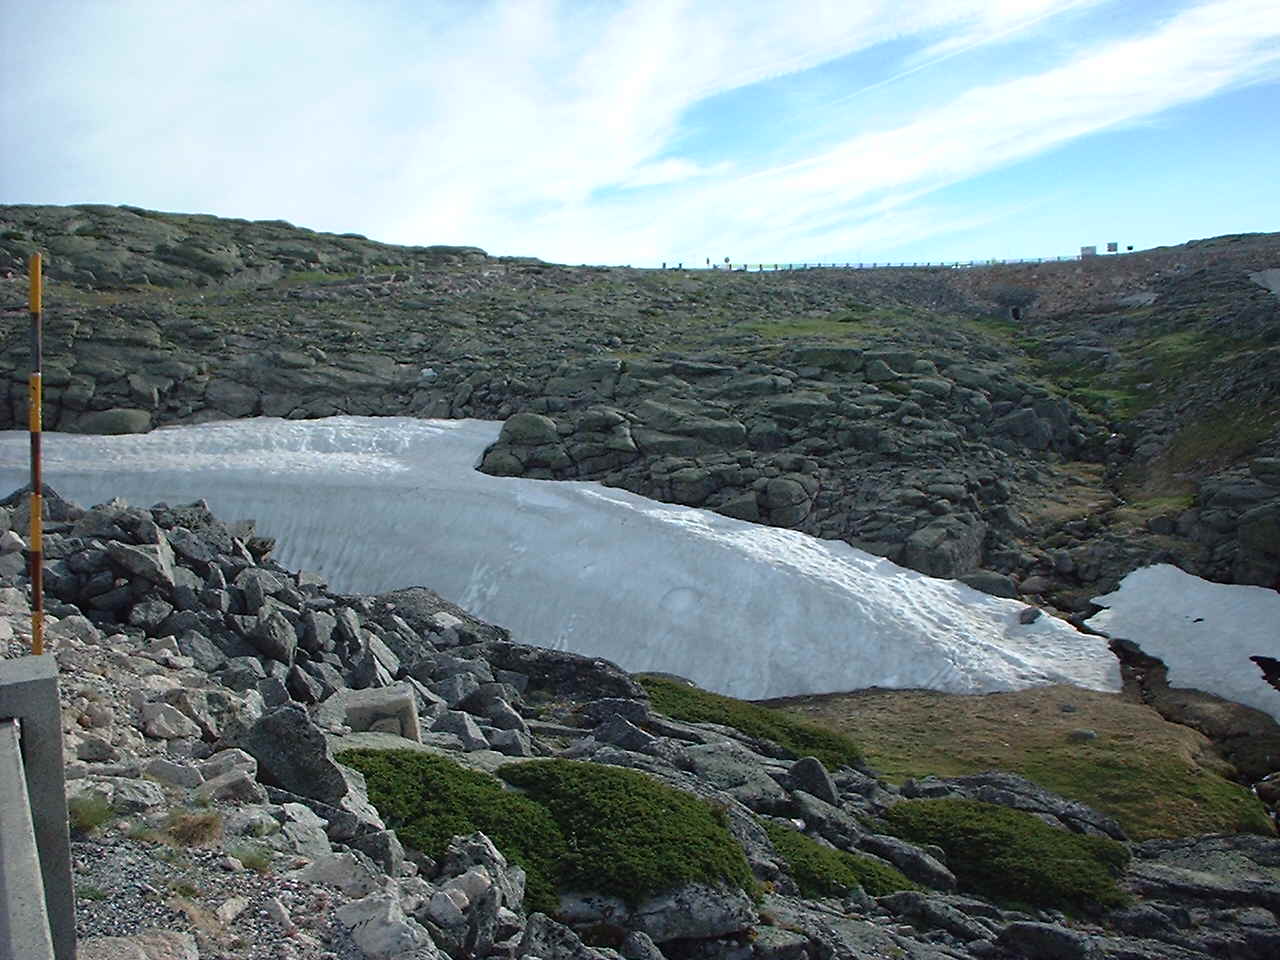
x=561 y=129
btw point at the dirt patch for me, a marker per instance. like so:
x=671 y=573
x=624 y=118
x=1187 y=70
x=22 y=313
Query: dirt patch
x=1120 y=756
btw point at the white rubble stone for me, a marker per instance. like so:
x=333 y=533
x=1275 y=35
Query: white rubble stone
x=13 y=602
x=163 y=722
x=382 y=930
x=225 y=760
x=230 y=909
x=167 y=945
x=278 y=912
x=236 y=784
x=172 y=772
x=354 y=876
x=72 y=631
x=362 y=709
x=448 y=908
x=10 y=542
x=475 y=883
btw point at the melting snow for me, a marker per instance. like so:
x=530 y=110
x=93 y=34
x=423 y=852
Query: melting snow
x=752 y=611
x=1204 y=632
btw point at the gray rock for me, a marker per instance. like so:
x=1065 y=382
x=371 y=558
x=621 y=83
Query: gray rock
x=463 y=727
x=275 y=637
x=598 y=711
x=383 y=848
x=118 y=420
x=622 y=733
x=317 y=631
x=808 y=774
x=547 y=940
x=936 y=913
x=477 y=850
x=236 y=784
x=382 y=931
x=731 y=767
x=695 y=911
x=153 y=562
x=988 y=581
x=303 y=687
x=910 y=859
x=1046 y=941
x=293 y=753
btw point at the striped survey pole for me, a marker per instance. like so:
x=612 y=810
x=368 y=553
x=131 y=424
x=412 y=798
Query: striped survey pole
x=37 y=484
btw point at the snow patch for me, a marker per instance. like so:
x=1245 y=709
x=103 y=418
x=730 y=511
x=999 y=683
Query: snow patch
x=751 y=611
x=1204 y=632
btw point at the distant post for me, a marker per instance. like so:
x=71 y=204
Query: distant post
x=37 y=484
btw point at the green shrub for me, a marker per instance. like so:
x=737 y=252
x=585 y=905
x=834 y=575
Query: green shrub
x=820 y=871
x=1013 y=856
x=683 y=702
x=429 y=800
x=194 y=829
x=86 y=812
x=627 y=834
x=253 y=855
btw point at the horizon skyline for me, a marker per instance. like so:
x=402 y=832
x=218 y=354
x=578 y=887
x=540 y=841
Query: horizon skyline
x=636 y=133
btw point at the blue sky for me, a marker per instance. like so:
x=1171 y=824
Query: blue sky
x=661 y=130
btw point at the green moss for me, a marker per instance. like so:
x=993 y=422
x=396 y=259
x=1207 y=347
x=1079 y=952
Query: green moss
x=627 y=834
x=1013 y=856
x=820 y=871
x=691 y=704
x=429 y=800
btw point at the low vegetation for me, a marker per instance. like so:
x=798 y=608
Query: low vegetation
x=429 y=799
x=628 y=835
x=194 y=828
x=820 y=871
x=87 y=812
x=254 y=856
x=572 y=826
x=1013 y=856
x=688 y=703
x=1158 y=779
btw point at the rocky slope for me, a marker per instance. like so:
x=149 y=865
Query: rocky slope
x=209 y=696
x=1128 y=414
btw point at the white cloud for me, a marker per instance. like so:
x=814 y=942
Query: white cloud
x=505 y=124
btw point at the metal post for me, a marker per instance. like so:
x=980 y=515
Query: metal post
x=37 y=482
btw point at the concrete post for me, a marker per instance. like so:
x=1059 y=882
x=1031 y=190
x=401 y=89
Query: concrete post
x=29 y=694
x=24 y=922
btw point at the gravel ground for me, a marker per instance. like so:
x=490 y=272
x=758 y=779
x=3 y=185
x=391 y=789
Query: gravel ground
x=125 y=885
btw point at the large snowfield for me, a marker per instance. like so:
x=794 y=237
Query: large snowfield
x=752 y=611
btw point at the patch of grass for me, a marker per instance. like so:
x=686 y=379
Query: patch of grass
x=429 y=800
x=1221 y=438
x=820 y=871
x=253 y=855
x=87 y=891
x=88 y=811
x=835 y=325
x=195 y=829
x=694 y=705
x=628 y=835
x=1158 y=779
x=1013 y=856
x=185 y=888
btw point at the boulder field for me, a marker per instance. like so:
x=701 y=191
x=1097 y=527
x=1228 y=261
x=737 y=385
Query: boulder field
x=229 y=726
x=1035 y=429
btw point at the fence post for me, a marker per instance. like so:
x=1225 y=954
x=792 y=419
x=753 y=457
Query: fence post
x=36 y=546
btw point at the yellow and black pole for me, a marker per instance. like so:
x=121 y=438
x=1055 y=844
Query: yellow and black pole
x=37 y=482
